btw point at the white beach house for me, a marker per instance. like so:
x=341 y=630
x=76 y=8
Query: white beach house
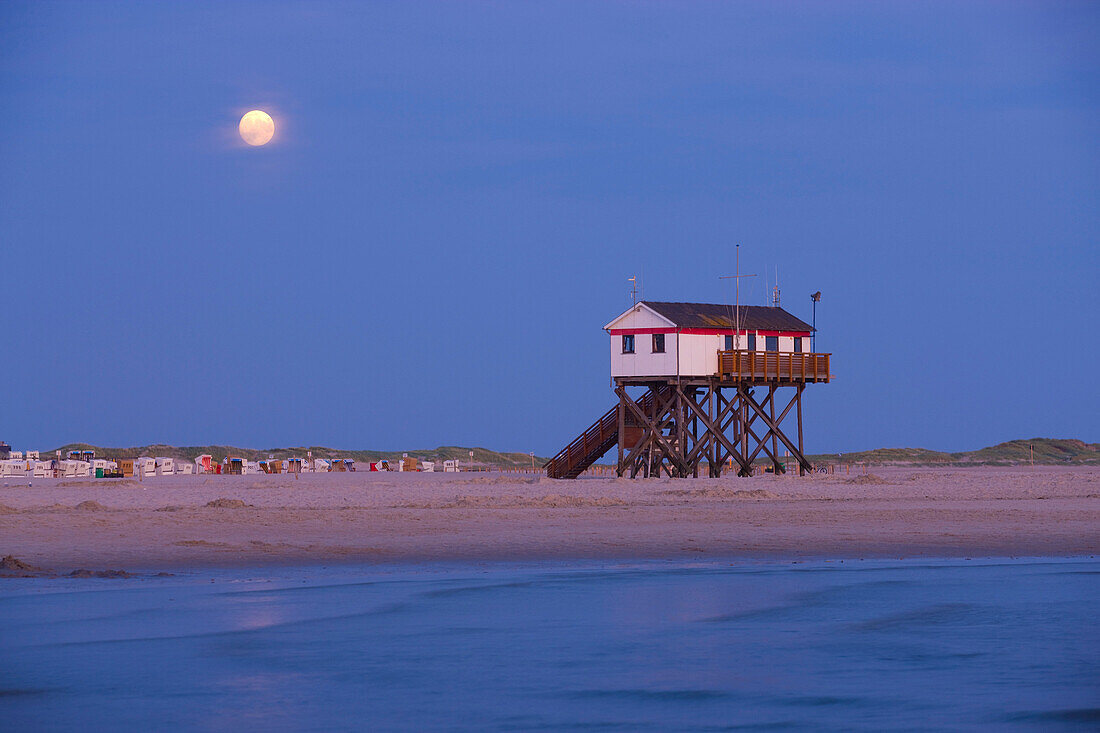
x=145 y=466
x=657 y=339
x=13 y=467
x=72 y=468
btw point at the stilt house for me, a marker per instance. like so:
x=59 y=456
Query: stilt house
x=711 y=375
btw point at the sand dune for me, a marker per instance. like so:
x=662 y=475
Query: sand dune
x=167 y=522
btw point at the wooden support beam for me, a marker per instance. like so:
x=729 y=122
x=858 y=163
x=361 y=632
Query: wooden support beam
x=742 y=414
x=633 y=455
x=681 y=433
x=675 y=426
x=653 y=443
x=665 y=416
x=715 y=432
x=761 y=443
x=776 y=466
x=695 y=442
x=728 y=411
x=712 y=469
x=620 y=467
x=773 y=425
x=801 y=465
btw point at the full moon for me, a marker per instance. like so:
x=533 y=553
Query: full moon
x=257 y=127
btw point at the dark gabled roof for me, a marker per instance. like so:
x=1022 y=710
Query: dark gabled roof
x=711 y=315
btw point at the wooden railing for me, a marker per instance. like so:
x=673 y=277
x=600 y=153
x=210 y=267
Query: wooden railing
x=574 y=455
x=574 y=458
x=781 y=366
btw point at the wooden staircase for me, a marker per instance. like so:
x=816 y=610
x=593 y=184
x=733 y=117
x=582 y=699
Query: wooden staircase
x=593 y=443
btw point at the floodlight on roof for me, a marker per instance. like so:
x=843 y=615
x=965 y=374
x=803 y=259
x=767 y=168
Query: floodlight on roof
x=816 y=298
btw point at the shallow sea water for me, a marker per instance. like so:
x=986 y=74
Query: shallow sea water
x=588 y=646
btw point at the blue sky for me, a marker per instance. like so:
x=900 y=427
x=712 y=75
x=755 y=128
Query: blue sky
x=457 y=194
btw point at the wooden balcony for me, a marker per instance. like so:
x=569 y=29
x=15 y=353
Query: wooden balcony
x=785 y=367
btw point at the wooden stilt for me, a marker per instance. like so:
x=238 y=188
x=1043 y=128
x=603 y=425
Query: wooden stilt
x=798 y=396
x=712 y=467
x=677 y=434
x=777 y=467
x=619 y=467
x=743 y=427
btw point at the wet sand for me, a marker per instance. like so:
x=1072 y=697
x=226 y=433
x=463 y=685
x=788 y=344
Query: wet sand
x=163 y=523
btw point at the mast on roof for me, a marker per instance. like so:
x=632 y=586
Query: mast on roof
x=737 y=307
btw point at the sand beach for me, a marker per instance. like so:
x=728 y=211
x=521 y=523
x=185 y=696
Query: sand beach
x=169 y=522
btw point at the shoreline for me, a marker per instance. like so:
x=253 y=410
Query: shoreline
x=319 y=571
x=168 y=523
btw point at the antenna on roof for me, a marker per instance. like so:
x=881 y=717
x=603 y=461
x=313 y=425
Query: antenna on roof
x=633 y=290
x=736 y=320
x=775 y=290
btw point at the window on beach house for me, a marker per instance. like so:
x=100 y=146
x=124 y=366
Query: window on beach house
x=628 y=344
x=729 y=343
x=752 y=342
x=771 y=343
x=658 y=343
x=798 y=344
